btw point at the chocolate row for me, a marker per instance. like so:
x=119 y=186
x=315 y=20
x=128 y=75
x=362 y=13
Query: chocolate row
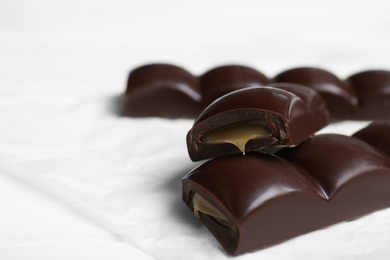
x=257 y=200
x=163 y=90
x=257 y=119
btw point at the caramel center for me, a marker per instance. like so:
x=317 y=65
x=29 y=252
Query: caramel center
x=201 y=205
x=238 y=134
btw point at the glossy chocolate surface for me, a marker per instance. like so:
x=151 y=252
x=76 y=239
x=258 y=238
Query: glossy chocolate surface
x=163 y=90
x=291 y=112
x=268 y=199
x=362 y=96
x=339 y=96
x=222 y=80
x=372 y=89
x=377 y=134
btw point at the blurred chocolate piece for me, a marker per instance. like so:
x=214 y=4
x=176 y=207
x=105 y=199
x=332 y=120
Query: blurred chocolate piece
x=222 y=80
x=372 y=89
x=363 y=96
x=338 y=95
x=258 y=200
x=376 y=134
x=162 y=90
x=256 y=119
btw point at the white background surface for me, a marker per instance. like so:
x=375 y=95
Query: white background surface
x=79 y=182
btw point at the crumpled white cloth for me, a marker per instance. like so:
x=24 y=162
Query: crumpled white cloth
x=125 y=174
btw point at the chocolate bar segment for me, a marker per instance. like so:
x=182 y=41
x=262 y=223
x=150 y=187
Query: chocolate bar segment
x=221 y=80
x=256 y=119
x=262 y=200
x=339 y=96
x=372 y=89
x=165 y=90
x=162 y=90
x=362 y=96
x=376 y=134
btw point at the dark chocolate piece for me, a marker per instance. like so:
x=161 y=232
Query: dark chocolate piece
x=256 y=119
x=372 y=89
x=377 y=134
x=219 y=81
x=363 y=96
x=162 y=90
x=165 y=90
x=339 y=96
x=258 y=200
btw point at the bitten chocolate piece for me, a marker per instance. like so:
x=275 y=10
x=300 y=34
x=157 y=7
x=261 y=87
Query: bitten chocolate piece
x=256 y=119
x=162 y=90
x=258 y=200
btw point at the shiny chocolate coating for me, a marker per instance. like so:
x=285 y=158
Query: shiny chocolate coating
x=339 y=96
x=291 y=112
x=222 y=80
x=377 y=134
x=268 y=199
x=163 y=90
x=372 y=89
x=362 y=96
x=168 y=91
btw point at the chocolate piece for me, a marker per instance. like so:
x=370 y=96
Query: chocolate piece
x=377 y=134
x=363 y=96
x=222 y=80
x=162 y=90
x=339 y=96
x=165 y=90
x=372 y=89
x=259 y=200
x=277 y=115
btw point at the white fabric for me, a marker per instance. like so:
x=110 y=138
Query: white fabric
x=77 y=181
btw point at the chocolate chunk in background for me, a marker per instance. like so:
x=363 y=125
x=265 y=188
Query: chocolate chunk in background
x=162 y=90
x=168 y=91
x=338 y=95
x=372 y=89
x=376 y=134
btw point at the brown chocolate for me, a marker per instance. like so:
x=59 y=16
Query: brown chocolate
x=372 y=89
x=165 y=90
x=377 y=134
x=362 y=96
x=259 y=200
x=338 y=95
x=162 y=90
x=283 y=114
x=221 y=80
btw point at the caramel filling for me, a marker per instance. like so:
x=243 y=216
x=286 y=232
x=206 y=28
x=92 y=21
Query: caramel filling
x=238 y=134
x=201 y=205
